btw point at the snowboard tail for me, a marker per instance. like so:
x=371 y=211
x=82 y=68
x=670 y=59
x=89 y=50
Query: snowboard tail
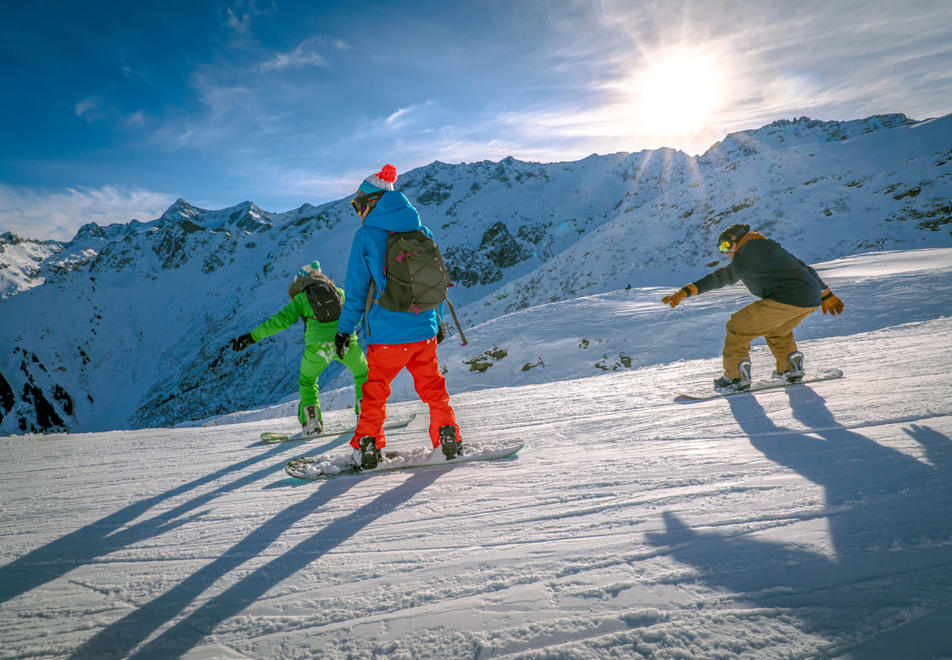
x=709 y=392
x=311 y=468
x=392 y=423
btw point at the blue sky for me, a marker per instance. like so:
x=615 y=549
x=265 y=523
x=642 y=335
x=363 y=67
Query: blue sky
x=112 y=110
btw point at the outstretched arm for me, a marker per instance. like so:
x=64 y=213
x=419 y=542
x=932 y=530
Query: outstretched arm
x=276 y=323
x=280 y=321
x=717 y=279
x=675 y=298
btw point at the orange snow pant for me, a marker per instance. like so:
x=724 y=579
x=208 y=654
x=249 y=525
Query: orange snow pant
x=772 y=320
x=384 y=362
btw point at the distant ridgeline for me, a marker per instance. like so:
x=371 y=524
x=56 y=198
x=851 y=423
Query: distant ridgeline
x=124 y=325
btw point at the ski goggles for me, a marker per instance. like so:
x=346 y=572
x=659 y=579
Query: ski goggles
x=725 y=246
x=364 y=203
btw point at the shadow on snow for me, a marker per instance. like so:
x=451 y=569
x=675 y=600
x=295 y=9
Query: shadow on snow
x=115 y=532
x=120 y=638
x=889 y=524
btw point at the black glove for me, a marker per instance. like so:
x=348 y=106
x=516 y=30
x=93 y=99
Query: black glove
x=341 y=344
x=440 y=333
x=242 y=342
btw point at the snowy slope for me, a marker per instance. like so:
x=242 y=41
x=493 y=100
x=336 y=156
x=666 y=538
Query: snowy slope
x=810 y=522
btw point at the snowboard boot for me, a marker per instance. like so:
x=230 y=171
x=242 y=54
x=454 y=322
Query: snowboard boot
x=367 y=457
x=741 y=384
x=452 y=447
x=312 y=420
x=794 y=374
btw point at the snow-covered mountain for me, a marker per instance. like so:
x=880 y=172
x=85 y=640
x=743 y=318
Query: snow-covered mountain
x=809 y=522
x=124 y=326
x=21 y=260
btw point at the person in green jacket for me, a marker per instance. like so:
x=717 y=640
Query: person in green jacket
x=316 y=300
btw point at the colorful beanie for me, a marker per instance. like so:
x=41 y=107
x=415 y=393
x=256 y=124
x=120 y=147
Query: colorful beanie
x=382 y=180
x=307 y=269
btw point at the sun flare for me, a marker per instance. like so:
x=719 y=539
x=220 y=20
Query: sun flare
x=678 y=92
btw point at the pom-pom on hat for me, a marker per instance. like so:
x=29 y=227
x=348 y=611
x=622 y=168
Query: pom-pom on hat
x=381 y=181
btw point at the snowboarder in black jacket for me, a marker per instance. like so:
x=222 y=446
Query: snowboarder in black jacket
x=788 y=291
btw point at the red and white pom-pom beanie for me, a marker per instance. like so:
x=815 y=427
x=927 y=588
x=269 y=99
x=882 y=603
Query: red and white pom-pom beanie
x=382 y=180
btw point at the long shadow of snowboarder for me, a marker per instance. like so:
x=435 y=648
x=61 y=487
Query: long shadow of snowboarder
x=882 y=515
x=114 y=532
x=121 y=637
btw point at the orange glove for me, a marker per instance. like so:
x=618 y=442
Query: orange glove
x=675 y=298
x=831 y=304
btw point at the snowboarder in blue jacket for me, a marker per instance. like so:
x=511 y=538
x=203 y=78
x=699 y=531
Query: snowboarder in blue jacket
x=396 y=340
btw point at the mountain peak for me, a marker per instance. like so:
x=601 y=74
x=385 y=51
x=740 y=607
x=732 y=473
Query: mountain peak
x=180 y=210
x=10 y=238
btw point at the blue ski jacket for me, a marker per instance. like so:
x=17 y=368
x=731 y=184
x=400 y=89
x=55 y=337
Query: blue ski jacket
x=368 y=253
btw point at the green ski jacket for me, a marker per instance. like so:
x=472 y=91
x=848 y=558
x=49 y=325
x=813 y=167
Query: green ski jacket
x=314 y=333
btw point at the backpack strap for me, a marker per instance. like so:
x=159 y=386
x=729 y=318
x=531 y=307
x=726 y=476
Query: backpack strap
x=370 y=300
x=456 y=321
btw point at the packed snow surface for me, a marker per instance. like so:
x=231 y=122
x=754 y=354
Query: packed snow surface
x=813 y=521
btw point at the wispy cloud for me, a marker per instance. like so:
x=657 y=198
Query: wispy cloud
x=240 y=22
x=395 y=117
x=257 y=109
x=311 y=186
x=400 y=117
x=86 y=106
x=137 y=118
x=305 y=54
x=774 y=62
x=133 y=74
x=59 y=214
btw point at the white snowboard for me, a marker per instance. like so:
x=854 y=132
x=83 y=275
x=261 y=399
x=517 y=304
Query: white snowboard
x=311 y=468
x=709 y=392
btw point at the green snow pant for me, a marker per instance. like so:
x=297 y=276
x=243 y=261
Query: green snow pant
x=316 y=358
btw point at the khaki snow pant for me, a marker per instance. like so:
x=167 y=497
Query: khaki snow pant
x=772 y=320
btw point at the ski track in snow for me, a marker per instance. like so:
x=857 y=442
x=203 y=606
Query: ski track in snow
x=808 y=522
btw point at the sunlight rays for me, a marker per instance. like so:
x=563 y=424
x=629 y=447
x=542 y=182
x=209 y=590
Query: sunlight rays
x=676 y=94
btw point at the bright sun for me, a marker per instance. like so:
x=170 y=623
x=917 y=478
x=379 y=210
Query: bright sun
x=677 y=92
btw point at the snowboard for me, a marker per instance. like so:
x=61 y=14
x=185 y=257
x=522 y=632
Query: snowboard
x=392 y=423
x=313 y=468
x=709 y=392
